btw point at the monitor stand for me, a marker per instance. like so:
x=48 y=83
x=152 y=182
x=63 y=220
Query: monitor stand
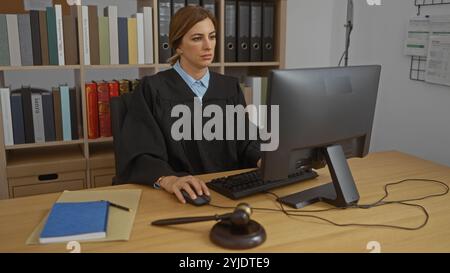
x=341 y=192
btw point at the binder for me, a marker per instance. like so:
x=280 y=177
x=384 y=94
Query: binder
x=210 y=5
x=255 y=31
x=243 y=51
x=192 y=2
x=268 y=50
x=164 y=7
x=177 y=5
x=230 y=30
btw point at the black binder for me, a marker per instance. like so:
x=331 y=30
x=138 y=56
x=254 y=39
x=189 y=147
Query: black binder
x=243 y=23
x=164 y=12
x=210 y=5
x=255 y=31
x=230 y=30
x=177 y=5
x=192 y=2
x=268 y=51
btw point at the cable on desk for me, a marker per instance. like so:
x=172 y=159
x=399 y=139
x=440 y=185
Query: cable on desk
x=381 y=202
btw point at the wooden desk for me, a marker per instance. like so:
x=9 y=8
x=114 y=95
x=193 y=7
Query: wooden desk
x=19 y=217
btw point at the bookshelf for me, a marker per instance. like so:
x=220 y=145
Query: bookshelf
x=87 y=163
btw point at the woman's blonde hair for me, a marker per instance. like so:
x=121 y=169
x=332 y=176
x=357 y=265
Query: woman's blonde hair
x=182 y=22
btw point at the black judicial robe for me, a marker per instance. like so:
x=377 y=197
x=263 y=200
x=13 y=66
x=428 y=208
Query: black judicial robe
x=147 y=150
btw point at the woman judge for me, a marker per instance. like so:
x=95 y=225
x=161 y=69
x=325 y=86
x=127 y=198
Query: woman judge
x=148 y=153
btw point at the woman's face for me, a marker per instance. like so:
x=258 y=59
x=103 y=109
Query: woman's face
x=197 y=46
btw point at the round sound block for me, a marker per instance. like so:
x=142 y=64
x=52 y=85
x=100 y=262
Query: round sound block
x=230 y=236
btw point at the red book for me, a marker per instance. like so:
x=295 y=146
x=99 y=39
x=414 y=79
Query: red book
x=113 y=89
x=104 y=115
x=92 y=110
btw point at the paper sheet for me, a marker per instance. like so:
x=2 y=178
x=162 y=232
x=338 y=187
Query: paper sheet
x=438 y=60
x=120 y=222
x=416 y=43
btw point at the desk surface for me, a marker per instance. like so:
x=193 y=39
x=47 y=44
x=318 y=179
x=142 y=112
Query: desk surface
x=18 y=217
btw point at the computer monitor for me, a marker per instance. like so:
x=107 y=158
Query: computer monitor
x=325 y=117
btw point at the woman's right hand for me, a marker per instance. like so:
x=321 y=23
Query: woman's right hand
x=192 y=185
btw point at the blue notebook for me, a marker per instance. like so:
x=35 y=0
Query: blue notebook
x=76 y=222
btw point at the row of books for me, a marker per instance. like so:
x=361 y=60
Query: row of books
x=110 y=39
x=32 y=115
x=38 y=38
x=255 y=93
x=98 y=97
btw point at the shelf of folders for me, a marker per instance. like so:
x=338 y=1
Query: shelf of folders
x=428 y=45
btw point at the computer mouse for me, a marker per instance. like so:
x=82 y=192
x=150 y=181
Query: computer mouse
x=199 y=201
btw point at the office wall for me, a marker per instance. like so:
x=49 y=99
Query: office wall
x=308 y=36
x=412 y=117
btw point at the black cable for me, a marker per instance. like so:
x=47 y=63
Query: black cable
x=381 y=202
x=342 y=57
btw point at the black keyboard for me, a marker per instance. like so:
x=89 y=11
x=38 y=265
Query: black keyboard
x=245 y=184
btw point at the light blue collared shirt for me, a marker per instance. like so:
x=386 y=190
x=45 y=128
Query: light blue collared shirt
x=199 y=87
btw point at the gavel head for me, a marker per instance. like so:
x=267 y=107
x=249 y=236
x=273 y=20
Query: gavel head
x=241 y=214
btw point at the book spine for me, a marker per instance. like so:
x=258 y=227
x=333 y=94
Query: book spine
x=103 y=32
x=65 y=110
x=52 y=36
x=26 y=47
x=27 y=114
x=123 y=40
x=49 y=119
x=7 y=118
x=57 y=113
x=111 y=13
x=4 y=44
x=92 y=110
x=44 y=37
x=134 y=84
x=13 y=39
x=104 y=115
x=70 y=40
x=86 y=42
x=36 y=37
x=79 y=114
x=140 y=37
x=17 y=118
x=124 y=87
x=93 y=35
x=148 y=35
x=38 y=118
x=60 y=34
x=132 y=41
x=73 y=113
x=113 y=89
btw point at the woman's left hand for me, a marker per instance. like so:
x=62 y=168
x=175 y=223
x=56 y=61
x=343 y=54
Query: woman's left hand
x=259 y=163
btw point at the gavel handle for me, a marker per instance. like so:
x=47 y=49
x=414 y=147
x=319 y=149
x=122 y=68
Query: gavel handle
x=186 y=220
